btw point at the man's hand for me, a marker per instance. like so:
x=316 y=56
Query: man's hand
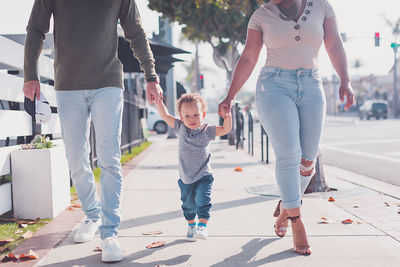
x=31 y=88
x=154 y=92
x=224 y=108
x=346 y=90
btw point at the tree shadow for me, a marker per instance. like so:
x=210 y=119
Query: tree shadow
x=129 y=260
x=155 y=218
x=250 y=250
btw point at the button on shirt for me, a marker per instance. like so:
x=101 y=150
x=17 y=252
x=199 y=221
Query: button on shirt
x=193 y=151
x=290 y=46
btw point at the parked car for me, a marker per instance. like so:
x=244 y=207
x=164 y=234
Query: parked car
x=155 y=122
x=374 y=108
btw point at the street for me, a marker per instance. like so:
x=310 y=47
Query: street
x=370 y=148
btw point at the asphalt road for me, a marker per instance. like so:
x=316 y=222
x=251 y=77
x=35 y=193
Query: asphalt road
x=370 y=148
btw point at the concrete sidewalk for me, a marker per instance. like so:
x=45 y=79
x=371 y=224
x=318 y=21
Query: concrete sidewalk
x=241 y=226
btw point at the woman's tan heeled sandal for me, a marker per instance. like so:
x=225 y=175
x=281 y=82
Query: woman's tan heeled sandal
x=302 y=250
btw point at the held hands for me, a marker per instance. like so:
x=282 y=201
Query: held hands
x=346 y=90
x=224 y=108
x=31 y=88
x=154 y=92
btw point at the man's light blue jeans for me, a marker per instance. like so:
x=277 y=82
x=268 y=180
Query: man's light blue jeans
x=104 y=107
x=291 y=107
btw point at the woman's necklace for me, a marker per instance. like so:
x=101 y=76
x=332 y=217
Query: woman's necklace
x=292 y=12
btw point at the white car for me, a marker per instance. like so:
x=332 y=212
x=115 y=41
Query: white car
x=155 y=122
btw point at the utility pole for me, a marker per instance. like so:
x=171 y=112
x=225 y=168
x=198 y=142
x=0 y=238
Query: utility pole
x=196 y=69
x=395 y=95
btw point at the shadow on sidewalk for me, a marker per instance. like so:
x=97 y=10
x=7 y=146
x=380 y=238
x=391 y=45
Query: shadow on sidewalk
x=178 y=213
x=250 y=250
x=213 y=165
x=95 y=260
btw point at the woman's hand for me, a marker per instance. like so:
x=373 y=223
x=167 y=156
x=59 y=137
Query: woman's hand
x=224 y=108
x=346 y=90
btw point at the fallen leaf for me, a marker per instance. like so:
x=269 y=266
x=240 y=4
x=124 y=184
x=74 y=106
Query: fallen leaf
x=30 y=256
x=387 y=204
x=27 y=235
x=76 y=205
x=97 y=249
x=5 y=241
x=347 y=221
x=153 y=233
x=331 y=199
x=9 y=257
x=156 y=244
x=238 y=169
x=2 y=249
x=22 y=225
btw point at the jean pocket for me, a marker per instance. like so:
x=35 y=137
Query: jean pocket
x=267 y=76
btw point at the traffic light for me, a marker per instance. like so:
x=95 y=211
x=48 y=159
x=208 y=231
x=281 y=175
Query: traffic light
x=201 y=81
x=377 y=39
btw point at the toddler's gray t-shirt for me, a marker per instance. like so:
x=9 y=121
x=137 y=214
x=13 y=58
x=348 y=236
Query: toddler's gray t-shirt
x=193 y=151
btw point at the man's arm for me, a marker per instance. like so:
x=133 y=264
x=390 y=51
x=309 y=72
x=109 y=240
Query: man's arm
x=226 y=126
x=134 y=33
x=38 y=26
x=163 y=111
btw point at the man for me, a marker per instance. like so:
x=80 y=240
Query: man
x=88 y=82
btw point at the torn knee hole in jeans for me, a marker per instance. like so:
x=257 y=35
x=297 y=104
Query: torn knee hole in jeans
x=307 y=167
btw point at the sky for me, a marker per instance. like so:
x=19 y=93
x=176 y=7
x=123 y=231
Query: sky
x=359 y=19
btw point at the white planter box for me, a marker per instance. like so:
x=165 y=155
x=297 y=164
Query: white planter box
x=40 y=180
x=5 y=198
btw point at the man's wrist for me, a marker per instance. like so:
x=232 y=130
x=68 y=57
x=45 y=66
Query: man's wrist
x=152 y=80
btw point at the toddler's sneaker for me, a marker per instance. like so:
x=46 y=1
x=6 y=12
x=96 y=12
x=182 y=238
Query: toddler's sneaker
x=201 y=232
x=190 y=233
x=110 y=250
x=87 y=230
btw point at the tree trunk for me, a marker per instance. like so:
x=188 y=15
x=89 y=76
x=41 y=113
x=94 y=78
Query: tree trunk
x=318 y=183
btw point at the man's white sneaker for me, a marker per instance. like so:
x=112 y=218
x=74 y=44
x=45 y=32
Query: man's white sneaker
x=190 y=233
x=87 y=230
x=111 y=251
x=201 y=232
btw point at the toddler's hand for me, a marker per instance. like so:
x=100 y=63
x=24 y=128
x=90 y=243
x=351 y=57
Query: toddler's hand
x=227 y=115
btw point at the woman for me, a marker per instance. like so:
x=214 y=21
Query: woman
x=289 y=96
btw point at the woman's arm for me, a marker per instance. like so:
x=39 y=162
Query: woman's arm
x=163 y=111
x=243 y=69
x=337 y=55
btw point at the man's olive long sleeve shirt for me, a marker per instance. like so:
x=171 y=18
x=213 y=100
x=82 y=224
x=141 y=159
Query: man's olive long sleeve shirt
x=86 y=42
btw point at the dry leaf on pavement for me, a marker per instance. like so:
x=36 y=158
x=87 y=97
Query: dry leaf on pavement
x=238 y=169
x=156 y=244
x=153 y=233
x=347 y=221
x=5 y=241
x=331 y=199
x=97 y=249
x=387 y=204
x=9 y=257
x=30 y=256
x=27 y=235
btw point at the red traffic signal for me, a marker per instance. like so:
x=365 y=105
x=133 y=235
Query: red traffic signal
x=377 y=39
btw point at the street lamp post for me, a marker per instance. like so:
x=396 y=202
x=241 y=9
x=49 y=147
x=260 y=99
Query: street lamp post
x=395 y=95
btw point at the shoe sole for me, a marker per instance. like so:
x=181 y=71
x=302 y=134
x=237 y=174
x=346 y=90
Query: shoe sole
x=111 y=261
x=191 y=239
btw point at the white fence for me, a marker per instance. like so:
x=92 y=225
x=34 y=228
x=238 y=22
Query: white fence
x=17 y=123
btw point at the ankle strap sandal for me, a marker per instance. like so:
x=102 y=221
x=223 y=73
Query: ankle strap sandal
x=294 y=219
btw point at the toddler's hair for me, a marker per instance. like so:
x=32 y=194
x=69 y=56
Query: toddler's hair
x=192 y=97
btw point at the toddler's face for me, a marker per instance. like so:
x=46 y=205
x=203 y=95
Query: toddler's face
x=192 y=114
